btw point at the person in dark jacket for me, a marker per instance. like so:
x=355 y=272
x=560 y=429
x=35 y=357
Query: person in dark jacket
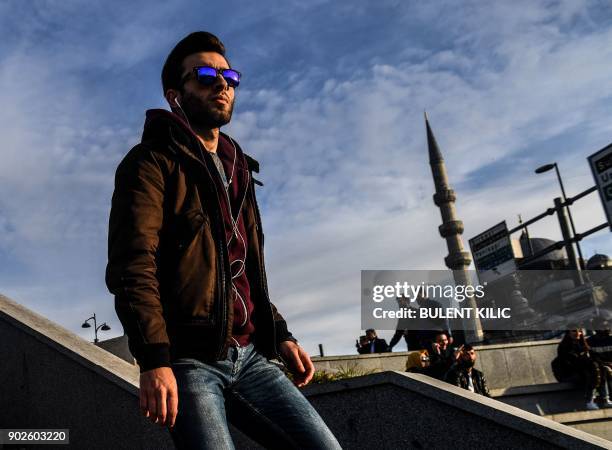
x=441 y=354
x=428 y=328
x=601 y=349
x=187 y=270
x=575 y=363
x=601 y=342
x=402 y=330
x=372 y=344
x=464 y=375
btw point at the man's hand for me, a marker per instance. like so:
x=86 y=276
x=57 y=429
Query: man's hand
x=159 y=396
x=457 y=353
x=298 y=362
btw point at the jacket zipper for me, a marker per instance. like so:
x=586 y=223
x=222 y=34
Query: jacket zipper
x=262 y=275
x=223 y=305
x=222 y=248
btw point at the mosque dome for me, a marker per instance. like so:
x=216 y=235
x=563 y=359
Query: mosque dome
x=539 y=244
x=599 y=261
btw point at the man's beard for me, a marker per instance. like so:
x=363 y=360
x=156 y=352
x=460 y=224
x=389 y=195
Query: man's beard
x=467 y=363
x=202 y=116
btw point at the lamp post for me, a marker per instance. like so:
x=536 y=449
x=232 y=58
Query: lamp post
x=546 y=168
x=103 y=327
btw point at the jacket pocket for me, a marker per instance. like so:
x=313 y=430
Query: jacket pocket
x=190 y=275
x=188 y=226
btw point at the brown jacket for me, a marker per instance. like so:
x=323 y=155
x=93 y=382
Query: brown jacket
x=167 y=256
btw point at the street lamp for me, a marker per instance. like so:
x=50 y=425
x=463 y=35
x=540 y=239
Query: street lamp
x=546 y=168
x=103 y=327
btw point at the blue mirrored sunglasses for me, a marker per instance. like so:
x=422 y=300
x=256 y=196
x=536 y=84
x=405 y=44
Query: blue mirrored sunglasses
x=207 y=75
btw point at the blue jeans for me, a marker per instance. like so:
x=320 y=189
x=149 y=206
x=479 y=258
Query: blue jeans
x=254 y=394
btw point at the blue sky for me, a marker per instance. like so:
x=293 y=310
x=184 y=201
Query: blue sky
x=331 y=105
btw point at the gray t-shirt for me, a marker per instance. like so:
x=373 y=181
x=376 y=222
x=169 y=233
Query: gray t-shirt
x=220 y=168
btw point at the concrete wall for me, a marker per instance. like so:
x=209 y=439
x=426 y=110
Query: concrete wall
x=51 y=378
x=518 y=374
x=598 y=423
x=118 y=346
x=505 y=366
x=398 y=410
x=510 y=365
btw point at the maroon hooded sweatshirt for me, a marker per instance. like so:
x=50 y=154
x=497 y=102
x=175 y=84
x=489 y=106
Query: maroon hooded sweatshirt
x=238 y=175
x=236 y=171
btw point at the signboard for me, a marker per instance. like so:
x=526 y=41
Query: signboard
x=601 y=165
x=493 y=254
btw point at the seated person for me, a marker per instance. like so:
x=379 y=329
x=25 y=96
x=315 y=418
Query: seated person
x=418 y=362
x=601 y=342
x=464 y=375
x=372 y=344
x=575 y=363
x=441 y=355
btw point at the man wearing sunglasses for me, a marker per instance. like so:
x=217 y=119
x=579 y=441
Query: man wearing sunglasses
x=187 y=270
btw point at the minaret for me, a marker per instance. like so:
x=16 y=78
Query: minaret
x=458 y=260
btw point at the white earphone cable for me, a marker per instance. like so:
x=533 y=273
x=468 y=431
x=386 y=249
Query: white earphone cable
x=235 y=230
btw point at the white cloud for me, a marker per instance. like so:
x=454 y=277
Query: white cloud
x=347 y=171
x=342 y=146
